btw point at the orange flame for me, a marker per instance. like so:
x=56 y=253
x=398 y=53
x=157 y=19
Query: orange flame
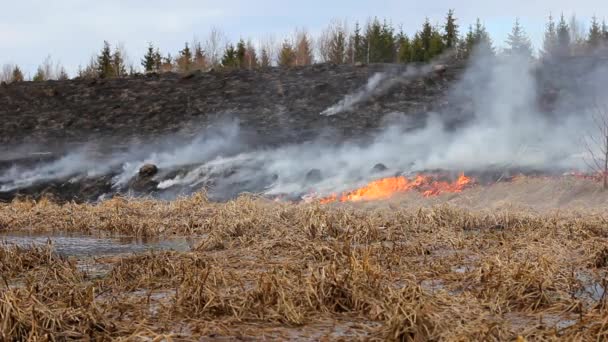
x=387 y=187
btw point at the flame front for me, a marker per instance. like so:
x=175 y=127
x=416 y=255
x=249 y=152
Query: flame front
x=387 y=187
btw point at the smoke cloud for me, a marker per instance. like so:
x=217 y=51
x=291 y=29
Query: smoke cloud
x=504 y=128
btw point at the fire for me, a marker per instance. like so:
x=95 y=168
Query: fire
x=387 y=187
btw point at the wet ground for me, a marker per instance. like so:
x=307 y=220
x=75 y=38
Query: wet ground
x=73 y=245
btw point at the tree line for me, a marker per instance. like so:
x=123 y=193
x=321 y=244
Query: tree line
x=378 y=41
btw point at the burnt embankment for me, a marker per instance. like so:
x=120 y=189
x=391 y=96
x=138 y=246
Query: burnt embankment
x=41 y=122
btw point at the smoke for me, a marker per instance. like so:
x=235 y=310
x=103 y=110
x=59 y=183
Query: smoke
x=497 y=100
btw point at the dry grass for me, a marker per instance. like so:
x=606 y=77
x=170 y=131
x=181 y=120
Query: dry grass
x=283 y=271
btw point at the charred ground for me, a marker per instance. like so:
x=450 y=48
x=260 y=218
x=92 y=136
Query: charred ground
x=43 y=121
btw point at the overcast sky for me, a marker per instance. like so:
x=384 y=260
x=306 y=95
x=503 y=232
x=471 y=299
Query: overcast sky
x=72 y=30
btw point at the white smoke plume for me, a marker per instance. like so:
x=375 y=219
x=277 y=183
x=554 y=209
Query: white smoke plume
x=504 y=128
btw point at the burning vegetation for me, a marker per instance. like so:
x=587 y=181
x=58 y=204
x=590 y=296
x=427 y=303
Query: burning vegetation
x=385 y=188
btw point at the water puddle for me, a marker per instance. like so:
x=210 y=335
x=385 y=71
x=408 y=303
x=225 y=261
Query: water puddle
x=86 y=245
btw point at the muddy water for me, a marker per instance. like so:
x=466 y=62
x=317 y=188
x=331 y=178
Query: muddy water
x=86 y=245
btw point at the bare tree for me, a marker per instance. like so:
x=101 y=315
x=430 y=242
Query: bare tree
x=214 y=46
x=269 y=51
x=596 y=142
x=6 y=74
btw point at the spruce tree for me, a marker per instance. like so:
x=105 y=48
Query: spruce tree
x=337 y=47
x=149 y=61
x=563 y=37
x=436 y=45
x=303 y=49
x=158 y=60
x=184 y=61
x=265 y=61
x=63 y=75
x=483 y=42
x=594 y=39
x=287 y=55
x=417 y=49
x=200 y=59
x=359 y=46
x=467 y=44
x=230 y=60
x=518 y=43
x=17 y=75
x=40 y=75
x=105 y=66
x=450 y=36
x=241 y=50
x=605 y=32
x=404 y=51
x=550 y=41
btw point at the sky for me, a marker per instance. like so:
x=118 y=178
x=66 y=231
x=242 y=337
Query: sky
x=71 y=31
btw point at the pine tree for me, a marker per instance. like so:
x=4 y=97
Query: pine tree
x=265 y=61
x=17 y=75
x=563 y=37
x=303 y=49
x=158 y=60
x=230 y=60
x=605 y=32
x=518 y=42
x=40 y=75
x=200 y=59
x=450 y=36
x=105 y=65
x=594 y=39
x=467 y=44
x=358 y=45
x=63 y=75
x=241 y=50
x=483 y=42
x=167 y=64
x=550 y=41
x=417 y=48
x=337 y=47
x=184 y=61
x=436 y=45
x=404 y=52
x=287 y=56
x=149 y=60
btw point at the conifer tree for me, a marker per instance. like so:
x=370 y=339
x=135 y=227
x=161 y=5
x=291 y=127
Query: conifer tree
x=483 y=42
x=303 y=49
x=200 y=59
x=605 y=32
x=17 y=75
x=594 y=39
x=563 y=37
x=466 y=44
x=241 y=50
x=450 y=36
x=40 y=75
x=149 y=62
x=230 y=59
x=265 y=61
x=167 y=64
x=550 y=41
x=105 y=65
x=417 y=48
x=287 y=55
x=63 y=75
x=184 y=61
x=358 y=45
x=404 y=51
x=518 y=42
x=337 y=47
x=436 y=45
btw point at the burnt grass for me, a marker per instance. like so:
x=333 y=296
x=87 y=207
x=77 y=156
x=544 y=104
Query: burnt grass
x=268 y=270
